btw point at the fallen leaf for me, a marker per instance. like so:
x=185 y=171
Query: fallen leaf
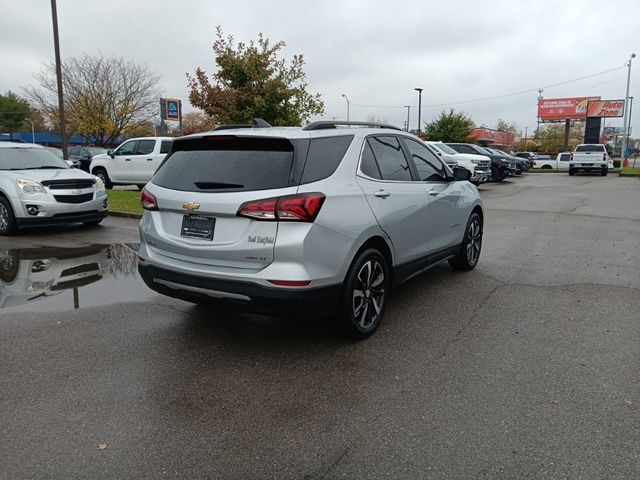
x=102 y=446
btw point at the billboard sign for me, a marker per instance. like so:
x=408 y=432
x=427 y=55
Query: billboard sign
x=606 y=108
x=558 y=109
x=612 y=130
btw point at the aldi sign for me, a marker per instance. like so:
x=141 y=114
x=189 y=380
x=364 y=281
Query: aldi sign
x=171 y=109
x=606 y=108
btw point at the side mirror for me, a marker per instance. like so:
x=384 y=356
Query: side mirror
x=461 y=174
x=110 y=153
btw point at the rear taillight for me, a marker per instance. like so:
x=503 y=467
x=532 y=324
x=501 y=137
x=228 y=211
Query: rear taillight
x=571 y=157
x=147 y=200
x=303 y=207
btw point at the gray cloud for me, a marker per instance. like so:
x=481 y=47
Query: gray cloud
x=376 y=52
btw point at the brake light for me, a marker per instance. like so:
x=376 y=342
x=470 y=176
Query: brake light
x=303 y=207
x=147 y=200
x=571 y=157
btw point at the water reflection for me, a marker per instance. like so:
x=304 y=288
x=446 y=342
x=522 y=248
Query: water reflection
x=69 y=278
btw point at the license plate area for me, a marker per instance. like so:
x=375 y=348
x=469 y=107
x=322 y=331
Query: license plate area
x=197 y=226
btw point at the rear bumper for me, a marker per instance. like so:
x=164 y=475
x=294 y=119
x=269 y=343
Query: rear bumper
x=579 y=167
x=243 y=296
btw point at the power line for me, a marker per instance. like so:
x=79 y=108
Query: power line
x=496 y=97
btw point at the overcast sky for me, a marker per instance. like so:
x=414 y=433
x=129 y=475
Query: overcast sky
x=375 y=52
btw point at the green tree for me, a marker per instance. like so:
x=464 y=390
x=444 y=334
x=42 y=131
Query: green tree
x=252 y=81
x=14 y=110
x=104 y=97
x=450 y=127
x=550 y=138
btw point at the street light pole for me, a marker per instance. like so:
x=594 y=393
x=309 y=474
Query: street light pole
x=345 y=97
x=525 y=138
x=408 y=107
x=625 y=127
x=33 y=131
x=419 y=90
x=56 y=46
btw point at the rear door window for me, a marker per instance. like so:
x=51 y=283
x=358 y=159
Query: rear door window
x=325 y=154
x=390 y=158
x=165 y=146
x=146 y=147
x=226 y=163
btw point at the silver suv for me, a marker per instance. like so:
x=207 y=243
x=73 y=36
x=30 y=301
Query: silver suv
x=320 y=220
x=39 y=189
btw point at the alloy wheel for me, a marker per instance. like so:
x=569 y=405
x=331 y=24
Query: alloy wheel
x=4 y=218
x=474 y=242
x=368 y=294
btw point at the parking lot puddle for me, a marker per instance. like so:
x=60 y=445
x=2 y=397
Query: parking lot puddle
x=58 y=279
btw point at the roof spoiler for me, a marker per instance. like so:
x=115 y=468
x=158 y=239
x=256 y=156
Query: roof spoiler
x=255 y=123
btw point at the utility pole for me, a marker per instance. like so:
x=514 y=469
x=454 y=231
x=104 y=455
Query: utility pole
x=56 y=46
x=419 y=90
x=625 y=126
x=408 y=107
x=525 y=138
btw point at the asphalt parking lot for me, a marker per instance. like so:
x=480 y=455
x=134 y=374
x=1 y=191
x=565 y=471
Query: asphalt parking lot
x=526 y=367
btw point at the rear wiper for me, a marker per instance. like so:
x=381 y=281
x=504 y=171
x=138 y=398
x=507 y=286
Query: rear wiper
x=210 y=185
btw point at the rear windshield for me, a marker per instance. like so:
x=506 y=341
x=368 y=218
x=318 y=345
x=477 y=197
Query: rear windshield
x=225 y=163
x=590 y=148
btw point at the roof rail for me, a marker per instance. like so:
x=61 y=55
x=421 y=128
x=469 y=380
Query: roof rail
x=255 y=123
x=327 y=124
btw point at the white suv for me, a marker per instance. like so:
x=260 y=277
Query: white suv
x=133 y=163
x=319 y=220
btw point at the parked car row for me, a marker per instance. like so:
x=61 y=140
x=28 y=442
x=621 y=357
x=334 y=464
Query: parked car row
x=590 y=158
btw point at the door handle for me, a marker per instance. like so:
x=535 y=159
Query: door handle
x=149 y=159
x=434 y=193
x=381 y=194
x=127 y=159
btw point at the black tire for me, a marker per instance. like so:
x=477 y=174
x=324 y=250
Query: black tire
x=604 y=173
x=7 y=218
x=546 y=167
x=364 y=298
x=9 y=266
x=571 y=172
x=469 y=254
x=102 y=174
x=495 y=174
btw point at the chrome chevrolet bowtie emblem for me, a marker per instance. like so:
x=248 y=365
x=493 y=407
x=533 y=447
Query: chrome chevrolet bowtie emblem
x=191 y=206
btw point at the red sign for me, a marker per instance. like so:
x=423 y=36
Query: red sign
x=550 y=109
x=606 y=108
x=493 y=137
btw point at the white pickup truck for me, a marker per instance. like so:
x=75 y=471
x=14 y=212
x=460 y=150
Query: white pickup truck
x=589 y=157
x=133 y=163
x=561 y=162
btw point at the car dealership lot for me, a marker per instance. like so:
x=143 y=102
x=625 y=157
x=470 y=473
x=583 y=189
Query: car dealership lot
x=525 y=367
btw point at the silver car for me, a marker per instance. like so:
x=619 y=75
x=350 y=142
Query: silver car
x=319 y=220
x=37 y=188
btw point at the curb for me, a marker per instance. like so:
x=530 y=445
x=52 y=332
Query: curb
x=137 y=216
x=629 y=175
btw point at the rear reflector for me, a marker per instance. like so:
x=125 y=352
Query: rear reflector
x=147 y=200
x=303 y=207
x=290 y=283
